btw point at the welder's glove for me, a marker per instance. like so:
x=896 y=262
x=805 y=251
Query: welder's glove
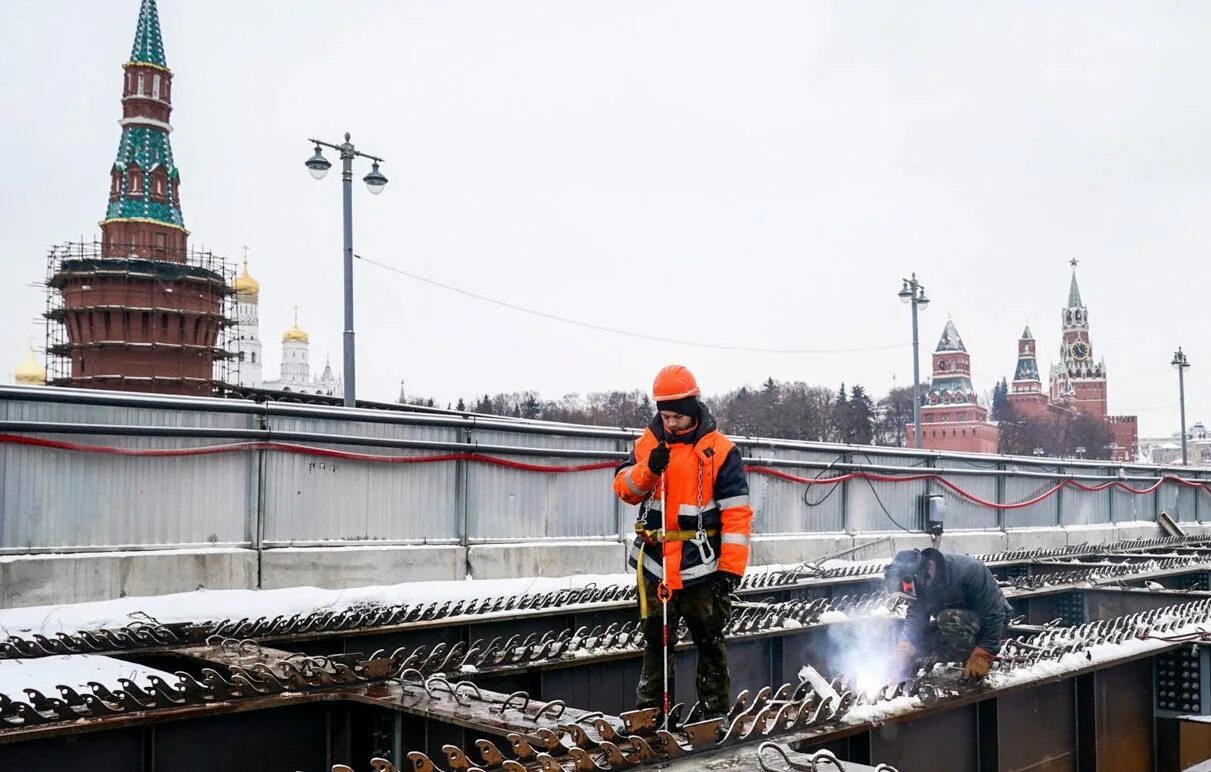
x=902 y=660
x=658 y=459
x=978 y=664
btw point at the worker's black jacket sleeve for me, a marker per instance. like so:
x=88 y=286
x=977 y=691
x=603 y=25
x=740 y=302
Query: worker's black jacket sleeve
x=730 y=481
x=630 y=462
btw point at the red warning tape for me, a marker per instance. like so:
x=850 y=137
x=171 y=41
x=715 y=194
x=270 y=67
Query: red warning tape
x=482 y=458
x=289 y=447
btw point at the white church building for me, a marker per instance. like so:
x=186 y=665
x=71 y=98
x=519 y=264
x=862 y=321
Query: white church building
x=295 y=374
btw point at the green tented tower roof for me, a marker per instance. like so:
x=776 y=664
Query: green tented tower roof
x=148 y=47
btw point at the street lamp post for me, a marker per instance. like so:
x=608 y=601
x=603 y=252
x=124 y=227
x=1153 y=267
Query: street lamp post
x=913 y=292
x=318 y=165
x=1181 y=364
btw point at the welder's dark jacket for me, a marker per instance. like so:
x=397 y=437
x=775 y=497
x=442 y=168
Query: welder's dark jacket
x=705 y=476
x=961 y=582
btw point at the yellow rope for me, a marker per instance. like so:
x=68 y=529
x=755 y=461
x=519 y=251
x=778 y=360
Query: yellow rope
x=643 y=586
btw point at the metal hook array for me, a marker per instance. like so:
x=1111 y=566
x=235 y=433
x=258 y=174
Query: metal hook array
x=595 y=743
x=532 y=649
x=138 y=635
x=258 y=680
x=1099 y=571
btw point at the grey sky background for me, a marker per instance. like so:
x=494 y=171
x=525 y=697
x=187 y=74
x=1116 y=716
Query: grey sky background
x=747 y=174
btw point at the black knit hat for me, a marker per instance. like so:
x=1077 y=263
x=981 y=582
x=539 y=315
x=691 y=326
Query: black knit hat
x=685 y=406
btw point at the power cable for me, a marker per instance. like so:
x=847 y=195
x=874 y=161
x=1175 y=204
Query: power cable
x=837 y=484
x=878 y=500
x=617 y=331
x=821 y=473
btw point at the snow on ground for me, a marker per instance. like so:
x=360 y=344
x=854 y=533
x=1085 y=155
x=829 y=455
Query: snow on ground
x=216 y=605
x=1103 y=652
x=880 y=711
x=74 y=670
x=842 y=563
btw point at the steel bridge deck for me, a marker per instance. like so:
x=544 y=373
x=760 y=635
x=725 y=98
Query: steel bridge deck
x=543 y=682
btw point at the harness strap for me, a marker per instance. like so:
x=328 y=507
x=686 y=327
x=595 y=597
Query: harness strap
x=658 y=536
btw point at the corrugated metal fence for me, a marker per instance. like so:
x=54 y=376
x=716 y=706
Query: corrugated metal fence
x=55 y=501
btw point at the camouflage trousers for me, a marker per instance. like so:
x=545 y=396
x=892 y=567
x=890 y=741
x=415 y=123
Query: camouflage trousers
x=954 y=634
x=705 y=612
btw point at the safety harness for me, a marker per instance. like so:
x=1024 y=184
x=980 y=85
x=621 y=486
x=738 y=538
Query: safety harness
x=658 y=536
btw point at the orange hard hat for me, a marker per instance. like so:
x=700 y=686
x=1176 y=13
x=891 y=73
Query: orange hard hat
x=674 y=382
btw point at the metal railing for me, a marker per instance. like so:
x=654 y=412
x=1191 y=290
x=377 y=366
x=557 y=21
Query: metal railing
x=261 y=496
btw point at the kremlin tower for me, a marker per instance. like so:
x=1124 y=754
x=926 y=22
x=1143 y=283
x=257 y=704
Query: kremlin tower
x=951 y=417
x=1026 y=393
x=139 y=311
x=1078 y=381
x=1077 y=384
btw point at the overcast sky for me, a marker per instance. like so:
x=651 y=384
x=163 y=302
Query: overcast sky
x=743 y=174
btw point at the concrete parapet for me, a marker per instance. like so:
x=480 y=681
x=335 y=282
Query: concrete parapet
x=47 y=579
x=787 y=550
x=965 y=542
x=1196 y=528
x=899 y=541
x=974 y=542
x=337 y=568
x=50 y=579
x=1140 y=529
x=1035 y=538
x=1091 y=534
x=554 y=558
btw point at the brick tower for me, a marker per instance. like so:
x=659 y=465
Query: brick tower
x=1078 y=381
x=140 y=311
x=1026 y=393
x=952 y=418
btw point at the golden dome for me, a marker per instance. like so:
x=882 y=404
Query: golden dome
x=244 y=284
x=29 y=372
x=295 y=335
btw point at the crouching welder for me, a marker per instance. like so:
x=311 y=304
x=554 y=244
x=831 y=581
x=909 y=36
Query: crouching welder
x=956 y=611
x=691 y=538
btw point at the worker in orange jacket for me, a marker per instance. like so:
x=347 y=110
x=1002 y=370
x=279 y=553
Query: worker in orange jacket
x=692 y=534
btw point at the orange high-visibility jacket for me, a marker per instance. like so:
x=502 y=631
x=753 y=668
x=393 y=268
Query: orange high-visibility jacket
x=706 y=487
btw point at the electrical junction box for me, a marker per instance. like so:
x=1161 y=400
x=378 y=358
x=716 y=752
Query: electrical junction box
x=932 y=508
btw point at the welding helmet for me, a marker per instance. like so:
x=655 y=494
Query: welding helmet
x=906 y=575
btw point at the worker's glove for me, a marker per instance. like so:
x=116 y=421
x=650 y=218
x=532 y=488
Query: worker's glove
x=658 y=459
x=978 y=664
x=902 y=660
x=724 y=584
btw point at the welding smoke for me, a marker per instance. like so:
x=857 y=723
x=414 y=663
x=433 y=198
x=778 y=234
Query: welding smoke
x=861 y=650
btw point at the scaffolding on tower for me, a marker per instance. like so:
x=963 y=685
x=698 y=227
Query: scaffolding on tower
x=154 y=310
